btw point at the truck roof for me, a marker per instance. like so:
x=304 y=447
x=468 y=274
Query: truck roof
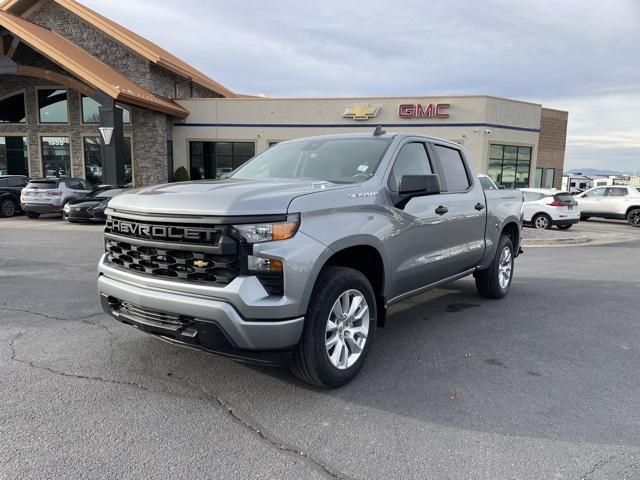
x=388 y=135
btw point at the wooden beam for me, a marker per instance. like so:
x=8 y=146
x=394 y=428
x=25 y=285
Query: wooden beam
x=12 y=49
x=56 y=79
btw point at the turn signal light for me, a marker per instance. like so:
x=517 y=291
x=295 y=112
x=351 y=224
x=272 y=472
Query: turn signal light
x=282 y=231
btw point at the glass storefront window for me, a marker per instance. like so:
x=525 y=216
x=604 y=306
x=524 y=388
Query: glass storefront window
x=549 y=177
x=56 y=156
x=538 y=180
x=93 y=161
x=53 y=105
x=12 y=109
x=13 y=156
x=215 y=159
x=91 y=112
x=509 y=165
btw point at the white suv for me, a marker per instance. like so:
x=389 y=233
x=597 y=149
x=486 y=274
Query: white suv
x=544 y=208
x=618 y=201
x=50 y=195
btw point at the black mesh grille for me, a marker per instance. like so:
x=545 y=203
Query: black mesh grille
x=186 y=265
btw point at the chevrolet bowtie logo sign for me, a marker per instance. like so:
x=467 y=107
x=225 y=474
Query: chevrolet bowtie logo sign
x=200 y=263
x=361 y=112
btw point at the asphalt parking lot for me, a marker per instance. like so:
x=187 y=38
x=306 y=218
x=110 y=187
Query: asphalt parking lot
x=542 y=384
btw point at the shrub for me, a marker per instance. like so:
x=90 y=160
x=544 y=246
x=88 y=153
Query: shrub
x=181 y=175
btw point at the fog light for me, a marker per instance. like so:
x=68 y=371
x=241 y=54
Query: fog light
x=259 y=264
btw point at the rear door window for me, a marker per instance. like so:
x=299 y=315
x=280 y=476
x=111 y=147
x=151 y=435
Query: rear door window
x=16 y=182
x=617 y=192
x=532 y=196
x=453 y=169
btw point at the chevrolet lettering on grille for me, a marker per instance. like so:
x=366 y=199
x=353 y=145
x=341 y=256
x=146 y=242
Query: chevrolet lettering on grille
x=159 y=232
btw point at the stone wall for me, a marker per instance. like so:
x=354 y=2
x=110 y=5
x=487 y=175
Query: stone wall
x=552 y=142
x=33 y=130
x=149 y=130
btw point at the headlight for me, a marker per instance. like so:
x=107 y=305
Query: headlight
x=267 y=232
x=66 y=207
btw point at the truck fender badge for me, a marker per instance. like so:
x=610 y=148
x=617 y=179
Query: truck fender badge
x=360 y=195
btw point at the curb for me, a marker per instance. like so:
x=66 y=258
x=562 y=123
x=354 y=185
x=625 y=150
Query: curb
x=547 y=242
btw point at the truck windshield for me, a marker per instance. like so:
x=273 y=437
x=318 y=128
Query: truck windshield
x=346 y=160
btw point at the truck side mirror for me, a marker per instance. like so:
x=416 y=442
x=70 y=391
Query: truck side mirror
x=417 y=186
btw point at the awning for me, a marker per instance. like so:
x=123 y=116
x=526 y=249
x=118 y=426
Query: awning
x=126 y=37
x=86 y=67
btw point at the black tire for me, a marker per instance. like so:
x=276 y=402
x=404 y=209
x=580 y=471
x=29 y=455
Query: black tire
x=487 y=280
x=584 y=219
x=8 y=208
x=542 y=221
x=566 y=226
x=311 y=361
x=33 y=215
x=633 y=217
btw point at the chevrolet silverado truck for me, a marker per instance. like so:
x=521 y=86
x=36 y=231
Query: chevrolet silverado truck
x=295 y=257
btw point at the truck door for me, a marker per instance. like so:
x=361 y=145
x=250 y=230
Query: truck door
x=466 y=210
x=418 y=232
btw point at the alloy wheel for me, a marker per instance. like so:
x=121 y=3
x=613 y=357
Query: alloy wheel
x=634 y=218
x=8 y=208
x=505 y=267
x=542 y=222
x=347 y=329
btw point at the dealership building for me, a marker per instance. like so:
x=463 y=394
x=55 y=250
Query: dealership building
x=82 y=96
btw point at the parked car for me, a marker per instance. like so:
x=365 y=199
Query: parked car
x=49 y=195
x=90 y=208
x=544 y=208
x=616 y=202
x=10 y=188
x=294 y=259
x=487 y=183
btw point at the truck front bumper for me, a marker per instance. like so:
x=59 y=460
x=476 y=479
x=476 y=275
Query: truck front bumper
x=207 y=324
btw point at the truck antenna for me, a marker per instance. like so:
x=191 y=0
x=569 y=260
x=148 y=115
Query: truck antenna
x=378 y=131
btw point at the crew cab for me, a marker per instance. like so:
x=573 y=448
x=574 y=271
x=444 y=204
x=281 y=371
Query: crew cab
x=295 y=258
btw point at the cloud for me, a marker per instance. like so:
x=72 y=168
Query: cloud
x=573 y=54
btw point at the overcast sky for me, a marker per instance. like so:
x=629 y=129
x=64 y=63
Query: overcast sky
x=577 y=55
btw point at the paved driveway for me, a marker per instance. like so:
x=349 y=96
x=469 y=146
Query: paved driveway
x=543 y=384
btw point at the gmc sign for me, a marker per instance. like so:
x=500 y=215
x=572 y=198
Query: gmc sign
x=417 y=110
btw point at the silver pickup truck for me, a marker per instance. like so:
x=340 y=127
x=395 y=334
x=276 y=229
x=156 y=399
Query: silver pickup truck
x=295 y=258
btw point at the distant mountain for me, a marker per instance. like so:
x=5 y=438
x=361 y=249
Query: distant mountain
x=595 y=171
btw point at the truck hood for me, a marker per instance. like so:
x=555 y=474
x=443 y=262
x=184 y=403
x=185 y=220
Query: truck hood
x=219 y=197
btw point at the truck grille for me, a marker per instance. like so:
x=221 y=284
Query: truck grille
x=192 y=253
x=189 y=265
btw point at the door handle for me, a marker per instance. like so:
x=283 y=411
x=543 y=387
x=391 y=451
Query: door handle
x=441 y=210
x=479 y=206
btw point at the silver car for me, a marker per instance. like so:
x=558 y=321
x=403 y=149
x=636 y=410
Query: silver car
x=617 y=201
x=50 y=195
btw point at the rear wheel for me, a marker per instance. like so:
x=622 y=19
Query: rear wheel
x=633 y=217
x=542 y=221
x=565 y=226
x=8 y=208
x=339 y=329
x=495 y=281
x=33 y=215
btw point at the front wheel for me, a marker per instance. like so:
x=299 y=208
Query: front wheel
x=565 y=226
x=633 y=217
x=339 y=329
x=495 y=281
